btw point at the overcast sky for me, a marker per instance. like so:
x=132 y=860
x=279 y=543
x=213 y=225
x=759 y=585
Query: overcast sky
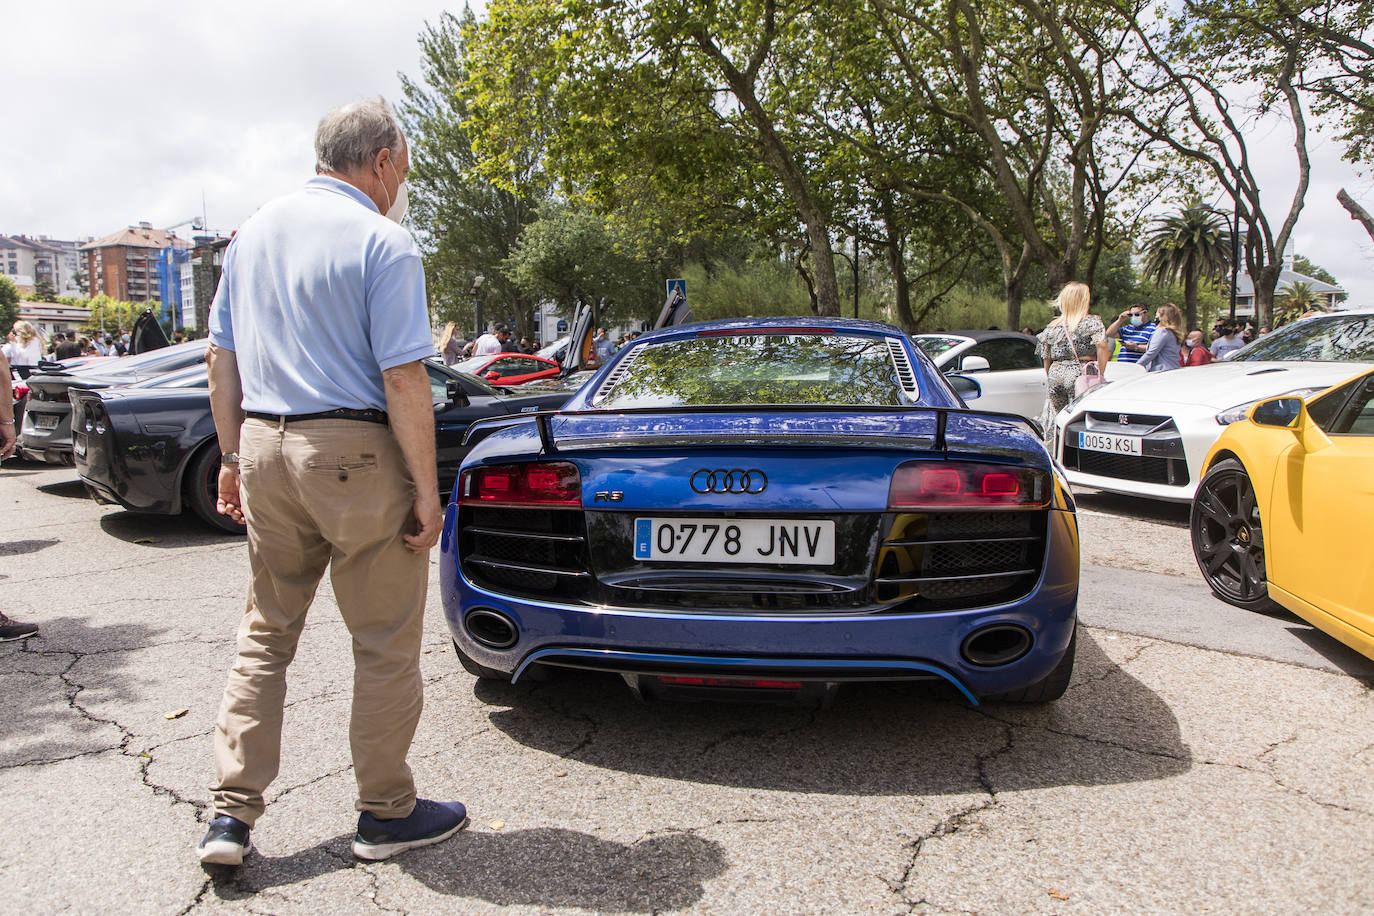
x=118 y=114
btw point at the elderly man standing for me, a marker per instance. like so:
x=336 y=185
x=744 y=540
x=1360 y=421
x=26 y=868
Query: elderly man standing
x=328 y=445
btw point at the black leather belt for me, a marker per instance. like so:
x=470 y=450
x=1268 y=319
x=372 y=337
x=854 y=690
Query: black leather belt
x=343 y=413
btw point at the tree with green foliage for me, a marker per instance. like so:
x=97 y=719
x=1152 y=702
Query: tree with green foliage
x=9 y=304
x=1183 y=72
x=571 y=254
x=43 y=291
x=466 y=225
x=687 y=95
x=1186 y=247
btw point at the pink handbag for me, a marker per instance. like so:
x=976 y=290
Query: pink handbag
x=1090 y=378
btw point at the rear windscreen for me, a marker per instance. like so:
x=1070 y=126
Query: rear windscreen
x=792 y=368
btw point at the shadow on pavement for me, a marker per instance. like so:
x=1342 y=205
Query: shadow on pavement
x=1336 y=652
x=67 y=489
x=45 y=719
x=542 y=868
x=875 y=740
x=15 y=548
x=163 y=530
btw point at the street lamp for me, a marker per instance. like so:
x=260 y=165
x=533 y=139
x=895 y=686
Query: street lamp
x=477 y=302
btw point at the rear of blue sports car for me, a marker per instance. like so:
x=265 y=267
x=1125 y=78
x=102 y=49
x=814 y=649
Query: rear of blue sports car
x=765 y=508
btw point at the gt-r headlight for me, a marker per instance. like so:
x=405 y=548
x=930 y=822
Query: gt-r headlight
x=1236 y=414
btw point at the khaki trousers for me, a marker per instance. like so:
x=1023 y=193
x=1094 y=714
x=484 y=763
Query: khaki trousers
x=317 y=494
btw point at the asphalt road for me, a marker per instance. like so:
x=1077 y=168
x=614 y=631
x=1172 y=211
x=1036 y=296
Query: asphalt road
x=1204 y=758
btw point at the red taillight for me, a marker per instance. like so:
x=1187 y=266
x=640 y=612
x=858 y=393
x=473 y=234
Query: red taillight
x=20 y=390
x=540 y=483
x=954 y=484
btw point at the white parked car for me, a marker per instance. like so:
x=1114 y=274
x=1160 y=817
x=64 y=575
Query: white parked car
x=1147 y=435
x=1004 y=364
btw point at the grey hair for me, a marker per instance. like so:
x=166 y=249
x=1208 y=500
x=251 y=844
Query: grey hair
x=349 y=137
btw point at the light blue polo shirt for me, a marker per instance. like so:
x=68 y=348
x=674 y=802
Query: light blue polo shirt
x=319 y=294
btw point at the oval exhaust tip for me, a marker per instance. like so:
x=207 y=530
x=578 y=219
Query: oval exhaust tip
x=999 y=644
x=491 y=628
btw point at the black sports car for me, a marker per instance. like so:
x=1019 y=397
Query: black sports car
x=151 y=447
x=47 y=432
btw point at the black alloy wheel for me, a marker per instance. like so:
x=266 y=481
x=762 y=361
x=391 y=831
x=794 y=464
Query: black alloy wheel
x=1228 y=540
x=202 y=489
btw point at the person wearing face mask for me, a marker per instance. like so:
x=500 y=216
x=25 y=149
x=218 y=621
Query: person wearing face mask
x=328 y=455
x=1134 y=330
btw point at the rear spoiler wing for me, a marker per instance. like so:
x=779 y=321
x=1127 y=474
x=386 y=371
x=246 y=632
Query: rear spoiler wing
x=549 y=444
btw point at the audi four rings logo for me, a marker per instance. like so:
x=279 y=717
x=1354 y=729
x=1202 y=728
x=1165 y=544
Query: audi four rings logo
x=735 y=481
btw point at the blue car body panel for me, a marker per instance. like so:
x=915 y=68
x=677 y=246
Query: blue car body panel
x=821 y=463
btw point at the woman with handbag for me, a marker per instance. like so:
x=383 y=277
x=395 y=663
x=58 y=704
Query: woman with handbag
x=1074 y=348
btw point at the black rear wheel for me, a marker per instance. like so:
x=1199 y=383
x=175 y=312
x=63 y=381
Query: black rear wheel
x=1228 y=540
x=202 y=489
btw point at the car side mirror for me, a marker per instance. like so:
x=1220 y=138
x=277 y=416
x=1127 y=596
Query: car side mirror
x=492 y=375
x=457 y=397
x=1284 y=413
x=965 y=387
x=974 y=364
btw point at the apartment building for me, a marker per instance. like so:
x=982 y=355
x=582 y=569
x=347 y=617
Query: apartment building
x=136 y=264
x=31 y=262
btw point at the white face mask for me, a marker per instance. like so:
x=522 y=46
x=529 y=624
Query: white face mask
x=396 y=209
x=1137 y=320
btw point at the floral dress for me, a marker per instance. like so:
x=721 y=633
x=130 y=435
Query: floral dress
x=1066 y=360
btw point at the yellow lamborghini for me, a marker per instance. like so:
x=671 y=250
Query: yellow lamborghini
x=1285 y=510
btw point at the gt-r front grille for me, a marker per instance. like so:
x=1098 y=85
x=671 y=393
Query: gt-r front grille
x=1171 y=472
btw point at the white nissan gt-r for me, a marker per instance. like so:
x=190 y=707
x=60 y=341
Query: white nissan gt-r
x=1147 y=436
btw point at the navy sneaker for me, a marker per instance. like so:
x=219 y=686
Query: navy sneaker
x=431 y=822
x=13 y=629
x=225 y=843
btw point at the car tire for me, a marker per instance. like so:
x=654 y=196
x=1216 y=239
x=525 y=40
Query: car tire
x=1049 y=688
x=201 y=486
x=1228 y=539
x=478 y=670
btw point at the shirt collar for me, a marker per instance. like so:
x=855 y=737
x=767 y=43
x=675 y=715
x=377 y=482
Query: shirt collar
x=338 y=186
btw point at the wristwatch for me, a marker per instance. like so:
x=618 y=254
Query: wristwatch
x=229 y=458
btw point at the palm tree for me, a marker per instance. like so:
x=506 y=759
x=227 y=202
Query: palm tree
x=1296 y=302
x=1191 y=245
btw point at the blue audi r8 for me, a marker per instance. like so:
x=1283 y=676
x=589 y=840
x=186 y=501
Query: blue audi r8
x=766 y=506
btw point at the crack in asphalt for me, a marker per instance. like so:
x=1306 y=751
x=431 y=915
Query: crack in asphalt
x=144 y=758
x=200 y=895
x=953 y=823
x=153 y=561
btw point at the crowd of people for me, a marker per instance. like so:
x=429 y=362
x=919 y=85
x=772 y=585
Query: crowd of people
x=25 y=346
x=1076 y=343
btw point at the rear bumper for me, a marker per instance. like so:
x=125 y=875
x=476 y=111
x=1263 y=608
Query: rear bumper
x=53 y=446
x=811 y=647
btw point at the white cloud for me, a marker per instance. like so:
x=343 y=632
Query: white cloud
x=127 y=115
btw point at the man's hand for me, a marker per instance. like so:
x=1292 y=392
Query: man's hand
x=429 y=516
x=229 y=502
x=7 y=440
